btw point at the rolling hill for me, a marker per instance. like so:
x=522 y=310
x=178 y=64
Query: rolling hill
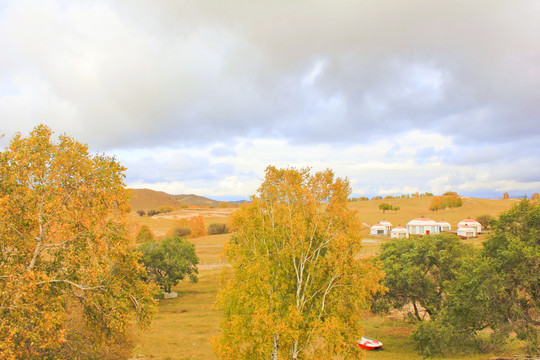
x=146 y=199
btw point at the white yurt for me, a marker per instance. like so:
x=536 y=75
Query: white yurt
x=472 y=223
x=466 y=231
x=444 y=226
x=399 y=232
x=386 y=223
x=423 y=226
x=378 y=229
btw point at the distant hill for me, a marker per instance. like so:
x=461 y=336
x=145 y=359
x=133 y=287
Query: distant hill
x=146 y=199
x=195 y=200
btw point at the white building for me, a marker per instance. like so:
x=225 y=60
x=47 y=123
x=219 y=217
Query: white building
x=466 y=231
x=444 y=226
x=423 y=226
x=472 y=223
x=399 y=232
x=387 y=224
x=378 y=229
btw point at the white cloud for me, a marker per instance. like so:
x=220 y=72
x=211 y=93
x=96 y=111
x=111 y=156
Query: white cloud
x=431 y=95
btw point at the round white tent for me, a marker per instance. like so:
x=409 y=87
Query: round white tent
x=386 y=223
x=423 y=226
x=444 y=226
x=378 y=229
x=466 y=231
x=472 y=223
x=399 y=232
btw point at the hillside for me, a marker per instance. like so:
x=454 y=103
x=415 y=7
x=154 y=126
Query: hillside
x=369 y=213
x=146 y=199
x=195 y=200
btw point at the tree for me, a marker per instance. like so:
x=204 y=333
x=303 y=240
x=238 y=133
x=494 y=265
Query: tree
x=169 y=261
x=63 y=241
x=384 y=207
x=499 y=290
x=296 y=288
x=417 y=270
x=144 y=234
x=196 y=224
x=485 y=221
x=141 y=212
x=445 y=202
x=223 y=204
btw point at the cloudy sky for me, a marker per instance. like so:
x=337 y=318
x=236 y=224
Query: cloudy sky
x=200 y=96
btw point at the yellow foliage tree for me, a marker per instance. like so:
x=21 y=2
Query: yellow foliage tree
x=196 y=224
x=297 y=288
x=63 y=241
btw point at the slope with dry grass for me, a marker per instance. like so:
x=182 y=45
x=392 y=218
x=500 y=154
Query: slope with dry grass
x=369 y=213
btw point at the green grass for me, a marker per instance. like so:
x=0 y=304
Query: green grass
x=183 y=327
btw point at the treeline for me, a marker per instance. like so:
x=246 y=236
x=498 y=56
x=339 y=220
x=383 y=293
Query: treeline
x=391 y=197
x=161 y=210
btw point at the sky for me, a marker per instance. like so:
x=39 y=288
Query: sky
x=201 y=96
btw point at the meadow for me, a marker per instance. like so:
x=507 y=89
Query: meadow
x=184 y=326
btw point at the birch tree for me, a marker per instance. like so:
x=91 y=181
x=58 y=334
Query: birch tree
x=63 y=241
x=296 y=287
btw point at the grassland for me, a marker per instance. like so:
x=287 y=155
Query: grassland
x=369 y=213
x=183 y=326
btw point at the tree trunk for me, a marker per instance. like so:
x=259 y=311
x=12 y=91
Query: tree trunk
x=295 y=350
x=416 y=311
x=274 y=355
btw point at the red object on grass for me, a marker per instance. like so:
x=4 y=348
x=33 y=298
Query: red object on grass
x=369 y=344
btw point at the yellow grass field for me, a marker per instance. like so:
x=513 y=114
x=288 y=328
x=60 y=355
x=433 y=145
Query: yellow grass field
x=183 y=327
x=369 y=213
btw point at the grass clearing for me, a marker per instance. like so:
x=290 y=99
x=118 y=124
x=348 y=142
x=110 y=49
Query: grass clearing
x=182 y=328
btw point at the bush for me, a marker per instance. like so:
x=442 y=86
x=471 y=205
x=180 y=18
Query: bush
x=215 y=229
x=144 y=234
x=152 y=212
x=165 y=209
x=180 y=231
x=485 y=220
x=141 y=212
